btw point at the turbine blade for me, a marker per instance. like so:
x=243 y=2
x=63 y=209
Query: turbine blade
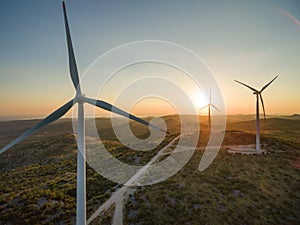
x=263 y=105
x=72 y=61
x=253 y=89
x=215 y=107
x=204 y=107
x=49 y=119
x=209 y=96
x=111 y=108
x=264 y=87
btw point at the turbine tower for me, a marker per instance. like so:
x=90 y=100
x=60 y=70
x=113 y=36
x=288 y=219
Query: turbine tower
x=258 y=96
x=209 y=105
x=80 y=99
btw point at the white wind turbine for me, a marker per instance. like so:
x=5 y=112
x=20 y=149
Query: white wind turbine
x=258 y=96
x=80 y=99
x=209 y=105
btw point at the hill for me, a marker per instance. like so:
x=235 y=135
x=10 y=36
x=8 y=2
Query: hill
x=38 y=177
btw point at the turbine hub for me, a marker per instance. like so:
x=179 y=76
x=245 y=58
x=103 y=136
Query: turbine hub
x=79 y=97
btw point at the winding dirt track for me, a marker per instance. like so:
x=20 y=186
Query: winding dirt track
x=117 y=197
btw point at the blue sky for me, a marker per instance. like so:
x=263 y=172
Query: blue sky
x=251 y=41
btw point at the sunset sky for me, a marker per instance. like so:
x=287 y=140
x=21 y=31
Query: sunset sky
x=251 y=41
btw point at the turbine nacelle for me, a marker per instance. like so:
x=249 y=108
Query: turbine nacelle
x=79 y=98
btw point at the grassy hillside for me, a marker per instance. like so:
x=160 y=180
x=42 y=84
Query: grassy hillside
x=38 y=178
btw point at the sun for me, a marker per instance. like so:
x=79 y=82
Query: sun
x=198 y=99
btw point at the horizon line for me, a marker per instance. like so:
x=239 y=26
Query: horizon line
x=8 y=118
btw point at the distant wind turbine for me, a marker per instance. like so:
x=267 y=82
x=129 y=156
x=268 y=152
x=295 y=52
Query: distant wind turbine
x=209 y=109
x=80 y=99
x=258 y=96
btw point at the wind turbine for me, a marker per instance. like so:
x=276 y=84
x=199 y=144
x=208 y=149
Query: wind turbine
x=80 y=99
x=258 y=96
x=209 y=109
